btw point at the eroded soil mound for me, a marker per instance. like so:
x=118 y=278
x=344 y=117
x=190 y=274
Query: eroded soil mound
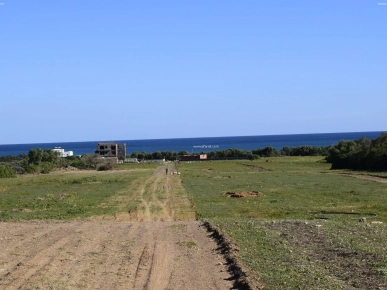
x=242 y=194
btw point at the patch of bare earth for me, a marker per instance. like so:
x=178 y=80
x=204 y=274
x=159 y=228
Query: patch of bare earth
x=160 y=252
x=241 y=194
x=368 y=177
x=110 y=255
x=353 y=267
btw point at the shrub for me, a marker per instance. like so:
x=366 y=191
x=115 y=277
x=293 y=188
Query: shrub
x=360 y=154
x=33 y=169
x=46 y=167
x=105 y=167
x=7 y=172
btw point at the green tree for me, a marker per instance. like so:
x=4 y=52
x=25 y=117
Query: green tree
x=90 y=160
x=266 y=152
x=51 y=156
x=35 y=156
x=360 y=154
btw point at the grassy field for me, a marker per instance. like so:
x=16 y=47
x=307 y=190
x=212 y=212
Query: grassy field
x=76 y=194
x=290 y=188
x=302 y=230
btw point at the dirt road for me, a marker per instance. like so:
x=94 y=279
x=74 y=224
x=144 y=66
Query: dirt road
x=162 y=198
x=368 y=177
x=156 y=251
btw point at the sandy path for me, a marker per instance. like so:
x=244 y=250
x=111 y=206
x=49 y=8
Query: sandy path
x=109 y=255
x=160 y=252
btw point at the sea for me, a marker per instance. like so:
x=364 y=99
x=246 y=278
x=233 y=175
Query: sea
x=197 y=145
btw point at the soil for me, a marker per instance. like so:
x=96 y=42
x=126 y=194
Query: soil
x=143 y=249
x=368 y=177
x=160 y=200
x=110 y=255
x=242 y=194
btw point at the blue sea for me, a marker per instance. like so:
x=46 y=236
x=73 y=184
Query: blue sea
x=196 y=145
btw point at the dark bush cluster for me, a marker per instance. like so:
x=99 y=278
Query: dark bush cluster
x=362 y=154
x=105 y=167
x=241 y=154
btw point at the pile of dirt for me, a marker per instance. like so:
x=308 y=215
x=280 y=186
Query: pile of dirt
x=242 y=194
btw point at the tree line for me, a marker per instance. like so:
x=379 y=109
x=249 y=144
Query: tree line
x=362 y=154
x=237 y=153
x=43 y=161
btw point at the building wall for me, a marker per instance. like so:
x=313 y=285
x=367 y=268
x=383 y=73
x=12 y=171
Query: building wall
x=106 y=160
x=121 y=151
x=111 y=149
x=63 y=153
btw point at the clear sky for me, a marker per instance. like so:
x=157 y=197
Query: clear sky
x=122 y=70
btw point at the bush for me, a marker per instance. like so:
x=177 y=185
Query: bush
x=360 y=154
x=46 y=167
x=266 y=152
x=33 y=169
x=7 y=172
x=105 y=167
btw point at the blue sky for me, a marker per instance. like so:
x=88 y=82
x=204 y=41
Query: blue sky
x=122 y=70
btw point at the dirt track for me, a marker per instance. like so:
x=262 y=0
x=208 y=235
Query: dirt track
x=160 y=252
x=109 y=255
x=368 y=177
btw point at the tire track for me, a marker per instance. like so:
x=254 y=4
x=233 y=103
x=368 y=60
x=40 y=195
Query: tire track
x=24 y=271
x=110 y=255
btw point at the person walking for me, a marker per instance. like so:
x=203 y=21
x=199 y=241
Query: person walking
x=166 y=171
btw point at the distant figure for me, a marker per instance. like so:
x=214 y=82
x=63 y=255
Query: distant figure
x=166 y=171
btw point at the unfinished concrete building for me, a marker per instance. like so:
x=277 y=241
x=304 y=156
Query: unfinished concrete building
x=111 y=149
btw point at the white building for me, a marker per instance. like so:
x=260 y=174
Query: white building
x=63 y=153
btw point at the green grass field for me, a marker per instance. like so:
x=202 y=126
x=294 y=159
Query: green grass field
x=290 y=188
x=301 y=231
x=67 y=195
